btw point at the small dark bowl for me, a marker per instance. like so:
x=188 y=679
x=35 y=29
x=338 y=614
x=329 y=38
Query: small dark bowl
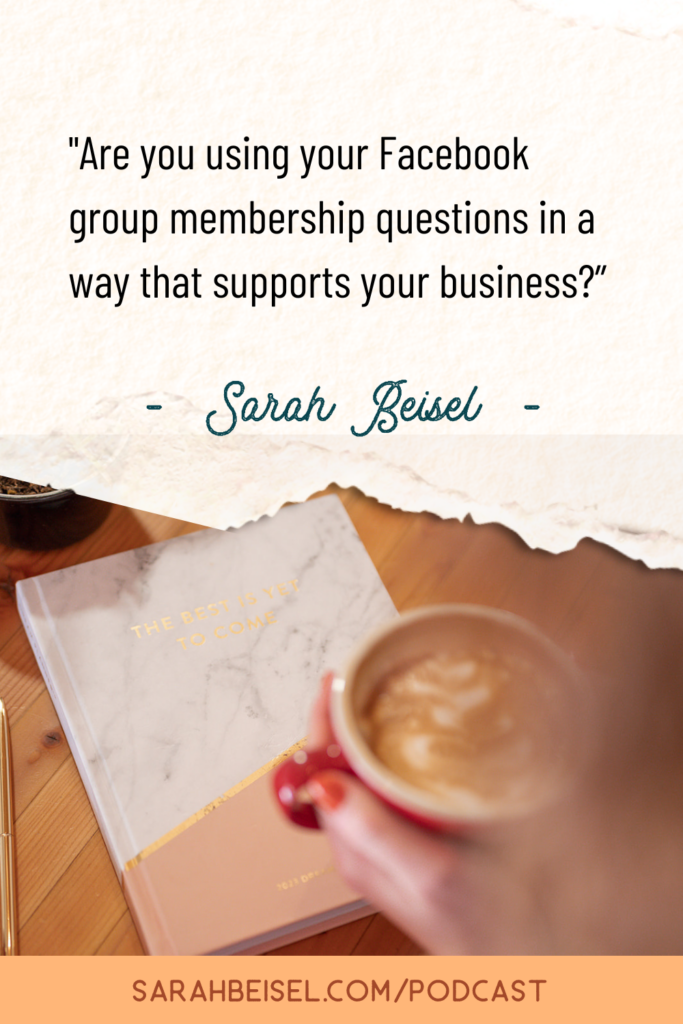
x=55 y=519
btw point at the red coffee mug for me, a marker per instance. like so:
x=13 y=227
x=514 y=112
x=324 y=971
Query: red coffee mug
x=458 y=631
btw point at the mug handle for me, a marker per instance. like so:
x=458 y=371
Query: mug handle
x=290 y=778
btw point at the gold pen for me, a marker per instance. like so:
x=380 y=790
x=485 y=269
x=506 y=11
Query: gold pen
x=8 y=884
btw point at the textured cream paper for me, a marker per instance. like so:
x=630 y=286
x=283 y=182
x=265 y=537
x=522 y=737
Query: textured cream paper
x=599 y=111
x=650 y=18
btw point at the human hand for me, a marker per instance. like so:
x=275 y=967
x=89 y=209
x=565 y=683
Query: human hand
x=597 y=872
x=420 y=880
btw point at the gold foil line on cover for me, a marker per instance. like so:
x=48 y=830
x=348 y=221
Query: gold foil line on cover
x=198 y=815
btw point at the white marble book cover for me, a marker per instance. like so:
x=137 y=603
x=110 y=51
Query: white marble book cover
x=180 y=670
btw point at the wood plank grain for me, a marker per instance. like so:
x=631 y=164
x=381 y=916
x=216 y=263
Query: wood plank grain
x=381 y=934
x=484 y=570
x=122 y=940
x=379 y=526
x=429 y=550
x=38 y=750
x=51 y=831
x=77 y=927
x=20 y=676
x=548 y=587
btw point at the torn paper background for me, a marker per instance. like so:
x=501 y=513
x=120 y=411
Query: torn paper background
x=595 y=97
x=552 y=491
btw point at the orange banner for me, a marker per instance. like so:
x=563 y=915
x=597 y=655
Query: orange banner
x=553 y=990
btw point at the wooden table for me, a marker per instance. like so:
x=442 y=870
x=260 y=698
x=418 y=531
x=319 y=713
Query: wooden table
x=621 y=621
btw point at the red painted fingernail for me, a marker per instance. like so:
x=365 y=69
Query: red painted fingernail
x=326 y=790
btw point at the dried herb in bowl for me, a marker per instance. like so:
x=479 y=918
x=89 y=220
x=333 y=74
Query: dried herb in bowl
x=10 y=486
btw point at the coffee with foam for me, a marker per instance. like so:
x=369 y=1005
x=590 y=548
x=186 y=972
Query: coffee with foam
x=459 y=714
x=471 y=729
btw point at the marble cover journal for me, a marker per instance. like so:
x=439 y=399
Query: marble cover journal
x=181 y=673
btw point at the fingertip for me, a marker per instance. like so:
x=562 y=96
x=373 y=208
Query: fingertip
x=327 y=790
x=363 y=821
